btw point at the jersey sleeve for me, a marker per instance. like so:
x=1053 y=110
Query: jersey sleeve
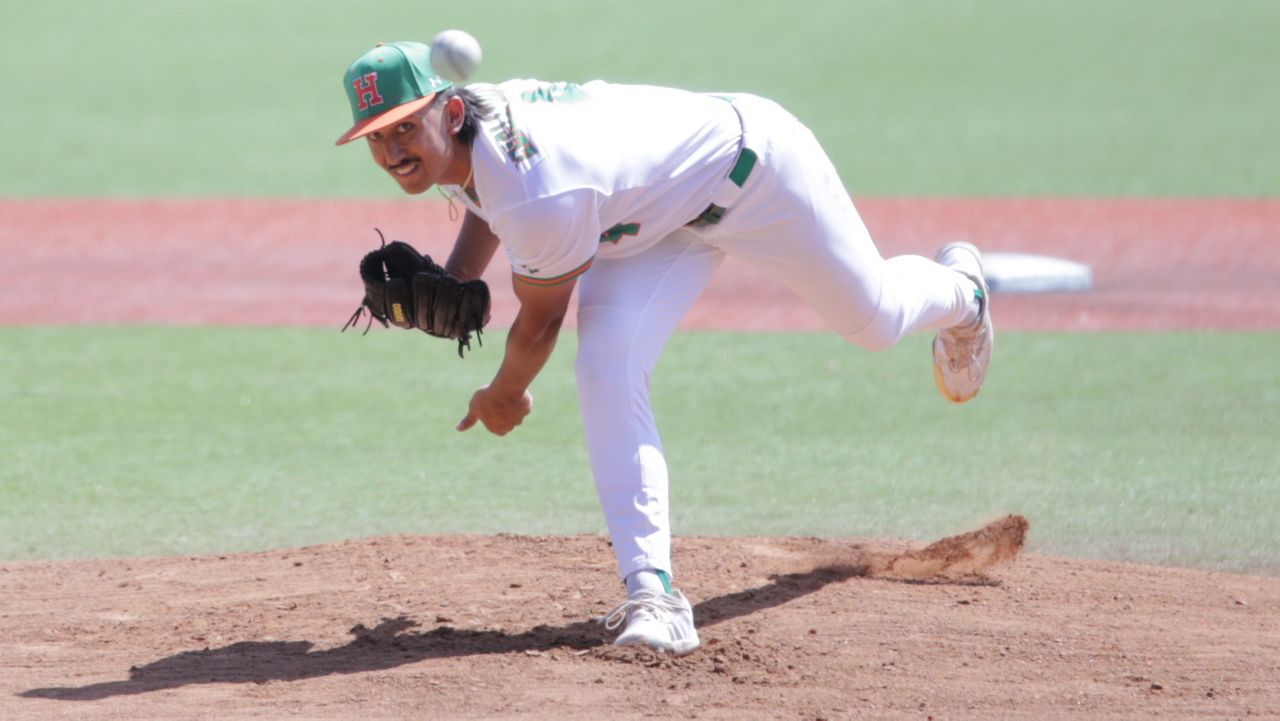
x=551 y=240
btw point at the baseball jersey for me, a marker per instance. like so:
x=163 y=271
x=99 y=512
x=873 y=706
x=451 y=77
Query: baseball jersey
x=565 y=173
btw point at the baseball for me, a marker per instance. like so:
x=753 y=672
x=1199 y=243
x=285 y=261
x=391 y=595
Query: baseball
x=455 y=55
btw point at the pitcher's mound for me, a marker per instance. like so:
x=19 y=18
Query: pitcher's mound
x=968 y=554
x=502 y=627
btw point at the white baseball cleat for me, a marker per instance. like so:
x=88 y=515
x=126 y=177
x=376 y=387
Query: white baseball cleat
x=662 y=621
x=961 y=354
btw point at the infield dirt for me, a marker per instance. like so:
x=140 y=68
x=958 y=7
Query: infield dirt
x=414 y=627
x=1158 y=264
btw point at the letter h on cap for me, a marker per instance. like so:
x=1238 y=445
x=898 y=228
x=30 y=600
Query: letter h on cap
x=367 y=90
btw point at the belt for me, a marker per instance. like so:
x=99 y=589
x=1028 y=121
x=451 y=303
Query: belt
x=742 y=168
x=741 y=171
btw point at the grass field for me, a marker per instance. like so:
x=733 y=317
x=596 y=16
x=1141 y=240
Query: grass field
x=163 y=440
x=956 y=97
x=158 y=441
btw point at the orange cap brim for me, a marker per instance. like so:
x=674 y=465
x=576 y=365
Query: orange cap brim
x=378 y=122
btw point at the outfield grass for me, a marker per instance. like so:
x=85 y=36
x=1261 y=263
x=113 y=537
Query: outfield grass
x=162 y=440
x=953 y=97
x=158 y=441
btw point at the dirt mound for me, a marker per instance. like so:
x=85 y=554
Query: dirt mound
x=500 y=627
x=966 y=555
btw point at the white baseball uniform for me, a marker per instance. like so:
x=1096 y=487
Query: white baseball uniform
x=640 y=192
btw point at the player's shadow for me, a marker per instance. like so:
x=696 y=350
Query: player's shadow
x=393 y=642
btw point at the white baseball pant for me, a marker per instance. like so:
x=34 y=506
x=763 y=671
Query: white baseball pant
x=794 y=218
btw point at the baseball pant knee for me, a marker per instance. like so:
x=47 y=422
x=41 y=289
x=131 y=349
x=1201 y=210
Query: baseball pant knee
x=915 y=294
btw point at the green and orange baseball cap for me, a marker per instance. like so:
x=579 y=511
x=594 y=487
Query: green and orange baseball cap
x=387 y=84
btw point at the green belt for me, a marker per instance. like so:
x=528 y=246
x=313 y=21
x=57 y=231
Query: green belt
x=741 y=171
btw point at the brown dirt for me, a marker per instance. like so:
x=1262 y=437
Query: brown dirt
x=501 y=627
x=1158 y=264
x=498 y=627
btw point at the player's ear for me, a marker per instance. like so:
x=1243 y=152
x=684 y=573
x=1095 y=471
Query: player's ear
x=455 y=112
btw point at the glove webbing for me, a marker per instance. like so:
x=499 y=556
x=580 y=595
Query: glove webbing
x=355 y=317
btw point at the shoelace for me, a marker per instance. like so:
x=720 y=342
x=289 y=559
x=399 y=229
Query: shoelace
x=655 y=602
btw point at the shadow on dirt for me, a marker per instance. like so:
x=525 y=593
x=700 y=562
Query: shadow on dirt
x=956 y=559
x=393 y=643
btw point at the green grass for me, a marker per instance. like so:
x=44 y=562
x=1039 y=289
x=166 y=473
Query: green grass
x=157 y=441
x=953 y=97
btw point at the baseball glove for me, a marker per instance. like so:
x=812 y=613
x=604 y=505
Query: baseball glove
x=405 y=288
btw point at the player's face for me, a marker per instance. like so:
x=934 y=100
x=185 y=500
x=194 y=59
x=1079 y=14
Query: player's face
x=417 y=151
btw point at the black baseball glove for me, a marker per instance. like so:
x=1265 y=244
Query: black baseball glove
x=406 y=288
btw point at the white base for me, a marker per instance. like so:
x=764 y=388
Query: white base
x=1027 y=273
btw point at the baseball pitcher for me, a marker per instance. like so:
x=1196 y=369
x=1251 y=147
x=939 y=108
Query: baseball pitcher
x=635 y=195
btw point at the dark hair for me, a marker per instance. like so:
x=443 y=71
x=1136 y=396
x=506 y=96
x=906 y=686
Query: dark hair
x=476 y=111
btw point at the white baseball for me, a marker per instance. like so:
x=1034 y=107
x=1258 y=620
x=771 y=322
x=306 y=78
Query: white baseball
x=455 y=55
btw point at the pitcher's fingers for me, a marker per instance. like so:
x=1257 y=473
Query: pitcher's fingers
x=466 y=423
